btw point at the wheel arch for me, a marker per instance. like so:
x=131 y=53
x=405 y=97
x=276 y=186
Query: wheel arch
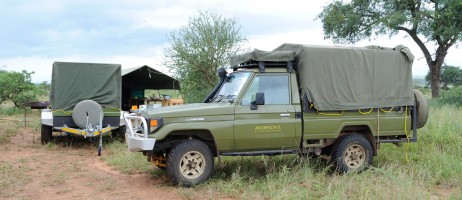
x=362 y=129
x=177 y=136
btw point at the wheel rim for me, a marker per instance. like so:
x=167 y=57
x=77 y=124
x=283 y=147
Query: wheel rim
x=192 y=165
x=355 y=156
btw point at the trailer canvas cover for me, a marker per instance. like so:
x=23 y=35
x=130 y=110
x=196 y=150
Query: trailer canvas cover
x=346 y=78
x=74 y=82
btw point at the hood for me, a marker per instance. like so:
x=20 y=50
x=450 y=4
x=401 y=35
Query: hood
x=190 y=110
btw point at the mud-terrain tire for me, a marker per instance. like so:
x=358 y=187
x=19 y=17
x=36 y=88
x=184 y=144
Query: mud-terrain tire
x=46 y=134
x=190 y=163
x=422 y=110
x=352 y=153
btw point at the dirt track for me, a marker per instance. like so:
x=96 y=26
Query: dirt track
x=34 y=171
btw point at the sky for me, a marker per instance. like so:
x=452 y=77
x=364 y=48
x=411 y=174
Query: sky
x=35 y=33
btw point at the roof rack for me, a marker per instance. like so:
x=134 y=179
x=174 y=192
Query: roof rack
x=261 y=65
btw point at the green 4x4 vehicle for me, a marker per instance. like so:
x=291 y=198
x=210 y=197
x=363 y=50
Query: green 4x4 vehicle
x=334 y=101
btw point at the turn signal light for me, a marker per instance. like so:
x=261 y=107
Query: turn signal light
x=153 y=123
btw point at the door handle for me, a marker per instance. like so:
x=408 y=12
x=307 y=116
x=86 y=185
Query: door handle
x=285 y=115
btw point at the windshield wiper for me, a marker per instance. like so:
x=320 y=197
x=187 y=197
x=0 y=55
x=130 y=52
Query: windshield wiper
x=222 y=97
x=213 y=99
x=231 y=97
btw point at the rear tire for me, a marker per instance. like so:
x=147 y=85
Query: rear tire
x=46 y=134
x=190 y=163
x=352 y=153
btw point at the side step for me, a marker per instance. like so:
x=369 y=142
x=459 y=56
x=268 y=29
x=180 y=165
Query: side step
x=259 y=153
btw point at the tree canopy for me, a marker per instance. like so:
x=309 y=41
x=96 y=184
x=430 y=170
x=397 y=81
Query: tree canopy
x=427 y=22
x=18 y=88
x=198 y=49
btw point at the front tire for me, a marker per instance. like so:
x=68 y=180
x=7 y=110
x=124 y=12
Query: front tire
x=352 y=153
x=190 y=163
x=46 y=134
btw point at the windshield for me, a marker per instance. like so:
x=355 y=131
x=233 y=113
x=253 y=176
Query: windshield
x=232 y=85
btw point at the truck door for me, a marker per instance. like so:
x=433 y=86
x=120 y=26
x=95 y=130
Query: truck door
x=272 y=125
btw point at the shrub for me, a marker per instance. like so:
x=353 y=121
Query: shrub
x=452 y=96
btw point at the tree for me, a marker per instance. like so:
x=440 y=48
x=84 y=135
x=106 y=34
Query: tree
x=198 y=49
x=436 y=21
x=450 y=75
x=18 y=88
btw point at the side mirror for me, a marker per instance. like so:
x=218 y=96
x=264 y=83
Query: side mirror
x=259 y=100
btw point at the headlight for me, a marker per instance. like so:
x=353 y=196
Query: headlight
x=154 y=124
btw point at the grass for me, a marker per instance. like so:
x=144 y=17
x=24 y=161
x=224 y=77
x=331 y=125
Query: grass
x=8 y=109
x=12 y=177
x=121 y=159
x=6 y=136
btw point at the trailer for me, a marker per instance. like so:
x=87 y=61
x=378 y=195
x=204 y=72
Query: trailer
x=85 y=100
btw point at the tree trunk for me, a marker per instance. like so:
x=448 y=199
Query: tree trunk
x=435 y=69
x=435 y=72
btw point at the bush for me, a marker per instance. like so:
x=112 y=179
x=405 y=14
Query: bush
x=452 y=96
x=18 y=88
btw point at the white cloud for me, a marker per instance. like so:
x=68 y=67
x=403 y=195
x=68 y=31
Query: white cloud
x=269 y=42
x=42 y=66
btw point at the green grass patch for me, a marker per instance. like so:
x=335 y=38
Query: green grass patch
x=125 y=161
x=11 y=110
x=291 y=177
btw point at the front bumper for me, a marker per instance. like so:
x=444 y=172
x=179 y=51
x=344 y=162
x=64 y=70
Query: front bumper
x=137 y=133
x=140 y=144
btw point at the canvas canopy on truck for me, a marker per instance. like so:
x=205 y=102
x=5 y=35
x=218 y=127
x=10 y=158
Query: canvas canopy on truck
x=74 y=82
x=259 y=55
x=348 y=78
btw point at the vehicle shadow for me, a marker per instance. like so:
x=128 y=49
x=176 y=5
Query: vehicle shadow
x=68 y=140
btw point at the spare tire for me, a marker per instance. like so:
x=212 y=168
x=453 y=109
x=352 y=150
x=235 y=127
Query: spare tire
x=84 y=109
x=422 y=109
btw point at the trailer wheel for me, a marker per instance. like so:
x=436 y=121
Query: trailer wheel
x=190 y=163
x=100 y=149
x=352 y=153
x=46 y=134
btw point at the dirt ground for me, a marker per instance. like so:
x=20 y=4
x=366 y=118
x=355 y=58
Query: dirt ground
x=30 y=170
